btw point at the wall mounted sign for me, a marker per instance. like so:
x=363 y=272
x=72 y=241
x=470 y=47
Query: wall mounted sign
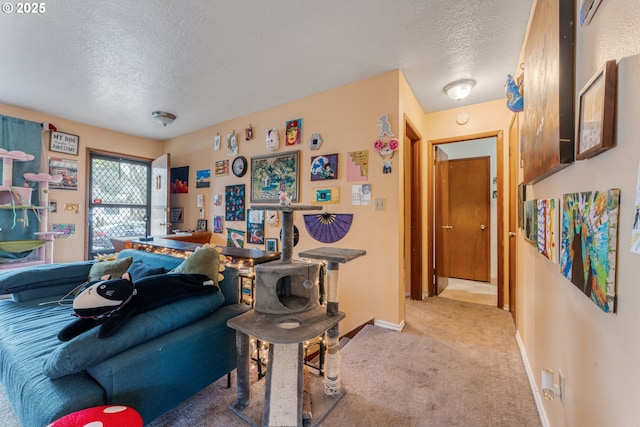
x=64 y=143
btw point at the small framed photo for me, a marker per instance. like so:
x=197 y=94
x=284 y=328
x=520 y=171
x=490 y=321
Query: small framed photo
x=64 y=143
x=176 y=215
x=53 y=206
x=597 y=109
x=271 y=245
x=202 y=225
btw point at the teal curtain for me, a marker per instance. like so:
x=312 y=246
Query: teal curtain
x=26 y=136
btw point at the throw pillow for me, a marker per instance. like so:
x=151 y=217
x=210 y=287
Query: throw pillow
x=205 y=261
x=138 y=270
x=113 y=268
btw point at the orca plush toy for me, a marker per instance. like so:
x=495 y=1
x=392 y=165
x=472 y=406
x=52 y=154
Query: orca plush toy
x=111 y=303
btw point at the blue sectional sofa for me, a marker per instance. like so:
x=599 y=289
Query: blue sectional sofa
x=156 y=361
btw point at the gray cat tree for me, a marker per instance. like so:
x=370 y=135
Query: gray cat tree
x=287 y=313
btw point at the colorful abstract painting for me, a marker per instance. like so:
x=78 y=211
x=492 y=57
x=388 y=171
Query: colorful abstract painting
x=589 y=243
x=548 y=228
x=531 y=221
x=234 y=203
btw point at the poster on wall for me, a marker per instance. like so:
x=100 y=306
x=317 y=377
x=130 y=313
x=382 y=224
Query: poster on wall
x=234 y=203
x=361 y=195
x=255 y=227
x=588 y=244
x=203 y=178
x=548 y=228
x=67 y=231
x=180 y=179
x=217 y=224
x=358 y=165
x=324 y=167
x=531 y=221
x=548 y=125
x=293 y=131
x=235 y=238
x=68 y=169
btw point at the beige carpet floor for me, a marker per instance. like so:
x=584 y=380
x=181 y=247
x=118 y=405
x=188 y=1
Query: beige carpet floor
x=455 y=364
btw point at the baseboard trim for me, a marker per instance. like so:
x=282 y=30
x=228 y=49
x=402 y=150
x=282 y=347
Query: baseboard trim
x=532 y=383
x=398 y=327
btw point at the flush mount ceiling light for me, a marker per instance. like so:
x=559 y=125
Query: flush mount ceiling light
x=459 y=89
x=163 y=117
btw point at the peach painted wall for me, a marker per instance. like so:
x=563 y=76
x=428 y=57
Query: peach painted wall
x=347 y=120
x=68 y=250
x=559 y=326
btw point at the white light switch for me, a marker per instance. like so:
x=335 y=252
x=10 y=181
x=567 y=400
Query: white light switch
x=380 y=204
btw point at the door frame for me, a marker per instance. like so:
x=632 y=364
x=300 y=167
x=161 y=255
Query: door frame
x=498 y=135
x=413 y=190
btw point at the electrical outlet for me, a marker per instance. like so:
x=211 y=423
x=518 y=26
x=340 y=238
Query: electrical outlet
x=379 y=204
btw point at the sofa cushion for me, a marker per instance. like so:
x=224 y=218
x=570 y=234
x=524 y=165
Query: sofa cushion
x=139 y=270
x=202 y=261
x=43 y=280
x=87 y=349
x=115 y=268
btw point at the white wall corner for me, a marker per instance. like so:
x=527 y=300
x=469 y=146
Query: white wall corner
x=532 y=382
x=398 y=327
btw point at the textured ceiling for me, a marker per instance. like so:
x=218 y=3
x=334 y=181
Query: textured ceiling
x=110 y=63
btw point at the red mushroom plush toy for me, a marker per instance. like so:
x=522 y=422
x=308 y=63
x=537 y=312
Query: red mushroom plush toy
x=101 y=416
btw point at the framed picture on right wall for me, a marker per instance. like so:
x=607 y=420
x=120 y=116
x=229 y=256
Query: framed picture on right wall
x=597 y=111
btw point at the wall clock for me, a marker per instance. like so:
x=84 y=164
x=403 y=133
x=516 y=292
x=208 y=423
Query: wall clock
x=239 y=166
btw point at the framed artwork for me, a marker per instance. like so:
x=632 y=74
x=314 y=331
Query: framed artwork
x=273 y=173
x=531 y=221
x=203 y=178
x=68 y=168
x=548 y=126
x=597 y=101
x=255 y=227
x=53 y=206
x=271 y=245
x=64 y=143
x=222 y=167
x=180 y=179
x=217 y=224
x=202 y=225
x=548 y=228
x=324 y=167
x=588 y=244
x=235 y=238
x=234 y=202
x=522 y=196
x=293 y=131
x=176 y=215
x=325 y=196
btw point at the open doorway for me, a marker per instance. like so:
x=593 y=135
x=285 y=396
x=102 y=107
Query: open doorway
x=465 y=235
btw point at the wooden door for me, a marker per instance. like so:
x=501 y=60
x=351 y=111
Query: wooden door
x=442 y=225
x=160 y=224
x=469 y=214
x=513 y=209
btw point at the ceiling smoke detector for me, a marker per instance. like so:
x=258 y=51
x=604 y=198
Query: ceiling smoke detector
x=163 y=117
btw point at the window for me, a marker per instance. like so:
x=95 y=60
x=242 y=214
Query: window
x=119 y=200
